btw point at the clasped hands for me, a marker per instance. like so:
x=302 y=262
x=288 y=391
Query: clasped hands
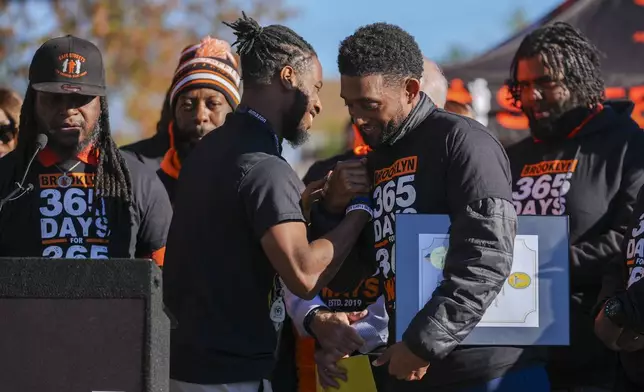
x=338 y=339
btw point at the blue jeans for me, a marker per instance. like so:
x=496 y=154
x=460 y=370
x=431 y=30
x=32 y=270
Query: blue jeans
x=532 y=379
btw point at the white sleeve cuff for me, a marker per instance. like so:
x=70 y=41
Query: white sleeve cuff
x=297 y=308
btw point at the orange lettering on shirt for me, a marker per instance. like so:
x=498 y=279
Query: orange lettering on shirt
x=549 y=167
x=401 y=167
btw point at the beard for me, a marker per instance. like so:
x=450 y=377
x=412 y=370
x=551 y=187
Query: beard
x=387 y=130
x=293 y=130
x=65 y=145
x=561 y=121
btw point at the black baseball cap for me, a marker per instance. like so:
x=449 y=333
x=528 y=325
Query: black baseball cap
x=68 y=65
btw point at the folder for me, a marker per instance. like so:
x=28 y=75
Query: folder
x=359 y=376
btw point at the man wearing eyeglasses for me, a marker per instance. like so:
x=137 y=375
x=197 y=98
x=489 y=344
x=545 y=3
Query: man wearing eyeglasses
x=10 y=104
x=584 y=160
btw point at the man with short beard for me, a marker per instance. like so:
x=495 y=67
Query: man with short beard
x=205 y=88
x=584 y=160
x=87 y=200
x=453 y=166
x=238 y=222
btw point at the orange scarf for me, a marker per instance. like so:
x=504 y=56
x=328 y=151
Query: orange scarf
x=171 y=164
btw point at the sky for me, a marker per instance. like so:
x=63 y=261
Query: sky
x=436 y=24
x=475 y=25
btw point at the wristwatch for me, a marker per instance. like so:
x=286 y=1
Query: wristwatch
x=308 y=320
x=613 y=309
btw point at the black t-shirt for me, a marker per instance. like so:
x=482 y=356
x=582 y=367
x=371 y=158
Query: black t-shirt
x=69 y=222
x=218 y=282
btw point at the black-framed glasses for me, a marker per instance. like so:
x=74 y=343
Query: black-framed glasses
x=8 y=132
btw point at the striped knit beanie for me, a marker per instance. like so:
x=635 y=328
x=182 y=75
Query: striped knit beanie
x=208 y=64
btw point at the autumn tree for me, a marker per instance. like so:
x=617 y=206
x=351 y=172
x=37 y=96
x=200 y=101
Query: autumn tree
x=140 y=41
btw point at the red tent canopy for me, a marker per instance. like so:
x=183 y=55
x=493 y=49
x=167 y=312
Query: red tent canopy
x=616 y=27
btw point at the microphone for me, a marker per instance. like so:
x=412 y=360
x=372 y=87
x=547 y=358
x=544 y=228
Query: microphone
x=41 y=142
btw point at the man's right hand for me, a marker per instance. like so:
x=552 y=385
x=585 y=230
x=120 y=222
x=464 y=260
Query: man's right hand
x=334 y=332
x=347 y=180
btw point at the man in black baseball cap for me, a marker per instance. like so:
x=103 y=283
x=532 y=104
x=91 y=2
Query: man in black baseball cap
x=78 y=196
x=68 y=65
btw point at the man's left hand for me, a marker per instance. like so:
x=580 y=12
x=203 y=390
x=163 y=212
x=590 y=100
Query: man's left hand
x=403 y=364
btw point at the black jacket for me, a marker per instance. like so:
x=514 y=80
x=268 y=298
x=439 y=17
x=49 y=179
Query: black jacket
x=442 y=163
x=594 y=178
x=150 y=151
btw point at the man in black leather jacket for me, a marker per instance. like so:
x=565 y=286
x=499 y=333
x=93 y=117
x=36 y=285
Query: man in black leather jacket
x=428 y=161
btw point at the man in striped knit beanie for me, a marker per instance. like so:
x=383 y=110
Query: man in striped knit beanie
x=205 y=88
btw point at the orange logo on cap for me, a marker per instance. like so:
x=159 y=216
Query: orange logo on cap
x=71 y=65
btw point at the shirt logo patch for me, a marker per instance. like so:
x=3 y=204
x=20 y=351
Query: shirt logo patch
x=635 y=252
x=73 y=223
x=71 y=65
x=542 y=187
x=394 y=193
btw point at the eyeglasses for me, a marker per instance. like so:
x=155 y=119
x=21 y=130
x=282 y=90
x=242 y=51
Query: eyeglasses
x=541 y=84
x=8 y=132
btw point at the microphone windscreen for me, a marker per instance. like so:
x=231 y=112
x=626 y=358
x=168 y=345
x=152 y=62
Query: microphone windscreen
x=41 y=141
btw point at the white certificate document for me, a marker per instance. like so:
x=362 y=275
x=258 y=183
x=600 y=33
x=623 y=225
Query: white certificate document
x=517 y=304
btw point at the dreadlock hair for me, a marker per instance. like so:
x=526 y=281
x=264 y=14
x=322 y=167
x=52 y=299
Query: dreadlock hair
x=112 y=179
x=264 y=51
x=381 y=49
x=565 y=51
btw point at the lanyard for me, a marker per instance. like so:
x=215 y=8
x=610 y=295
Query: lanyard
x=261 y=119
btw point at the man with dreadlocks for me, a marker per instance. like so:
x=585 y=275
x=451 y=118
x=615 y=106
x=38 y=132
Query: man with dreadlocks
x=238 y=221
x=205 y=88
x=87 y=200
x=584 y=160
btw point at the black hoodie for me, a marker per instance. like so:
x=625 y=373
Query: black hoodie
x=593 y=177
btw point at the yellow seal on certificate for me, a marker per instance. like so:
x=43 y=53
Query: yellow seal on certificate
x=519 y=280
x=437 y=257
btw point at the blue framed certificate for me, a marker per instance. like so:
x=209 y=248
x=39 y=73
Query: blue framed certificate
x=532 y=307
